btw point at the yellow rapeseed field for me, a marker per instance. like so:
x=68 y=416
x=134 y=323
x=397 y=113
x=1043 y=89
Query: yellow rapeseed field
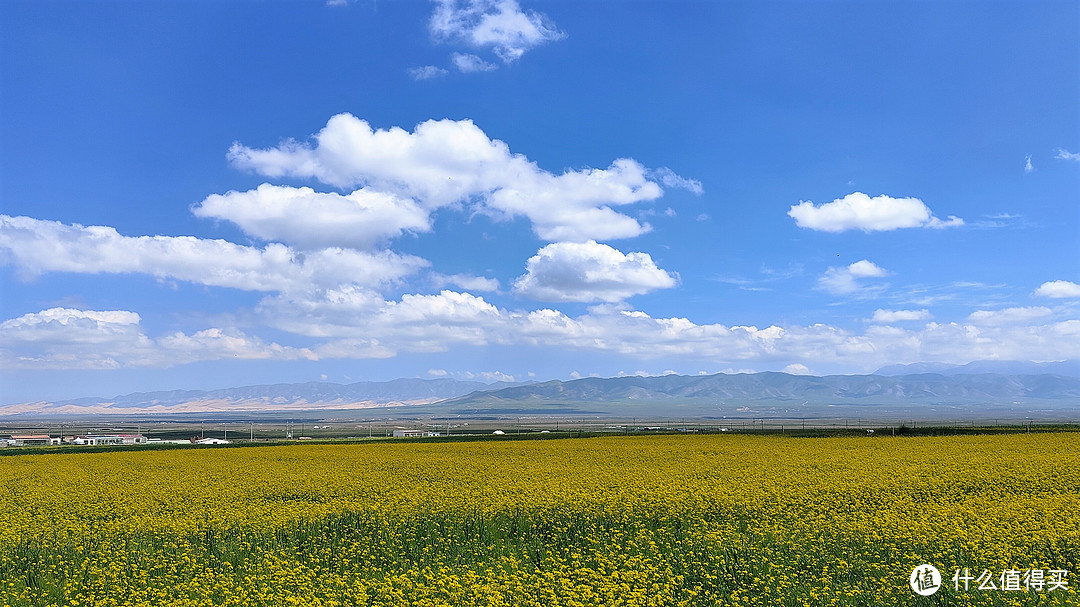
x=679 y=520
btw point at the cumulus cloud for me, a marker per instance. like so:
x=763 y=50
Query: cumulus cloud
x=426 y=72
x=796 y=369
x=637 y=334
x=489 y=376
x=589 y=272
x=35 y=246
x=62 y=338
x=363 y=325
x=1067 y=155
x=310 y=219
x=891 y=316
x=1008 y=316
x=847 y=280
x=1028 y=167
x=353 y=347
x=466 y=281
x=499 y=25
x=857 y=211
x=671 y=179
x=1058 y=289
x=350 y=321
x=467 y=63
x=416 y=322
x=446 y=162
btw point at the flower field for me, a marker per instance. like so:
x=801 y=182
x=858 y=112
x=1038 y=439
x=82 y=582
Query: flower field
x=661 y=520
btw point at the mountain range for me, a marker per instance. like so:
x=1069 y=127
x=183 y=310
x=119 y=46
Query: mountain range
x=309 y=396
x=961 y=390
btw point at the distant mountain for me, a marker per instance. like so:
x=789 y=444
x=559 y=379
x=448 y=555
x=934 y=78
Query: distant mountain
x=312 y=392
x=925 y=387
x=275 y=397
x=915 y=395
x=1069 y=368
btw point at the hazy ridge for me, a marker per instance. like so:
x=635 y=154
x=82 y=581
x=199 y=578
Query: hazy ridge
x=698 y=395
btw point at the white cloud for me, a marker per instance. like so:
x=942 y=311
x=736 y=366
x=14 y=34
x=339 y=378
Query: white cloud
x=437 y=372
x=857 y=211
x=588 y=272
x=489 y=376
x=1008 y=316
x=467 y=63
x=1058 y=289
x=466 y=281
x=359 y=323
x=1028 y=167
x=866 y=269
x=445 y=162
x=499 y=25
x=309 y=219
x=416 y=323
x=426 y=72
x=847 y=280
x=1067 y=155
x=353 y=348
x=34 y=246
x=62 y=338
x=796 y=369
x=671 y=179
x=891 y=316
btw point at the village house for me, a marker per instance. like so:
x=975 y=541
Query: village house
x=32 y=440
x=210 y=441
x=108 y=439
x=413 y=433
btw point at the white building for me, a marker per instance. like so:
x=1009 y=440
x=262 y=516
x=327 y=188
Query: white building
x=109 y=439
x=210 y=441
x=413 y=433
x=32 y=440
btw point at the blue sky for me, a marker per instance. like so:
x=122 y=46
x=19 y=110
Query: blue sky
x=208 y=194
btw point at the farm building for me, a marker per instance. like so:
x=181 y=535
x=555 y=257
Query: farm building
x=413 y=433
x=210 y=441
x=109 y=439
x=32 y=440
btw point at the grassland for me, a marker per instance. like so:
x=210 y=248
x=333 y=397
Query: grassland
x=653 y=520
